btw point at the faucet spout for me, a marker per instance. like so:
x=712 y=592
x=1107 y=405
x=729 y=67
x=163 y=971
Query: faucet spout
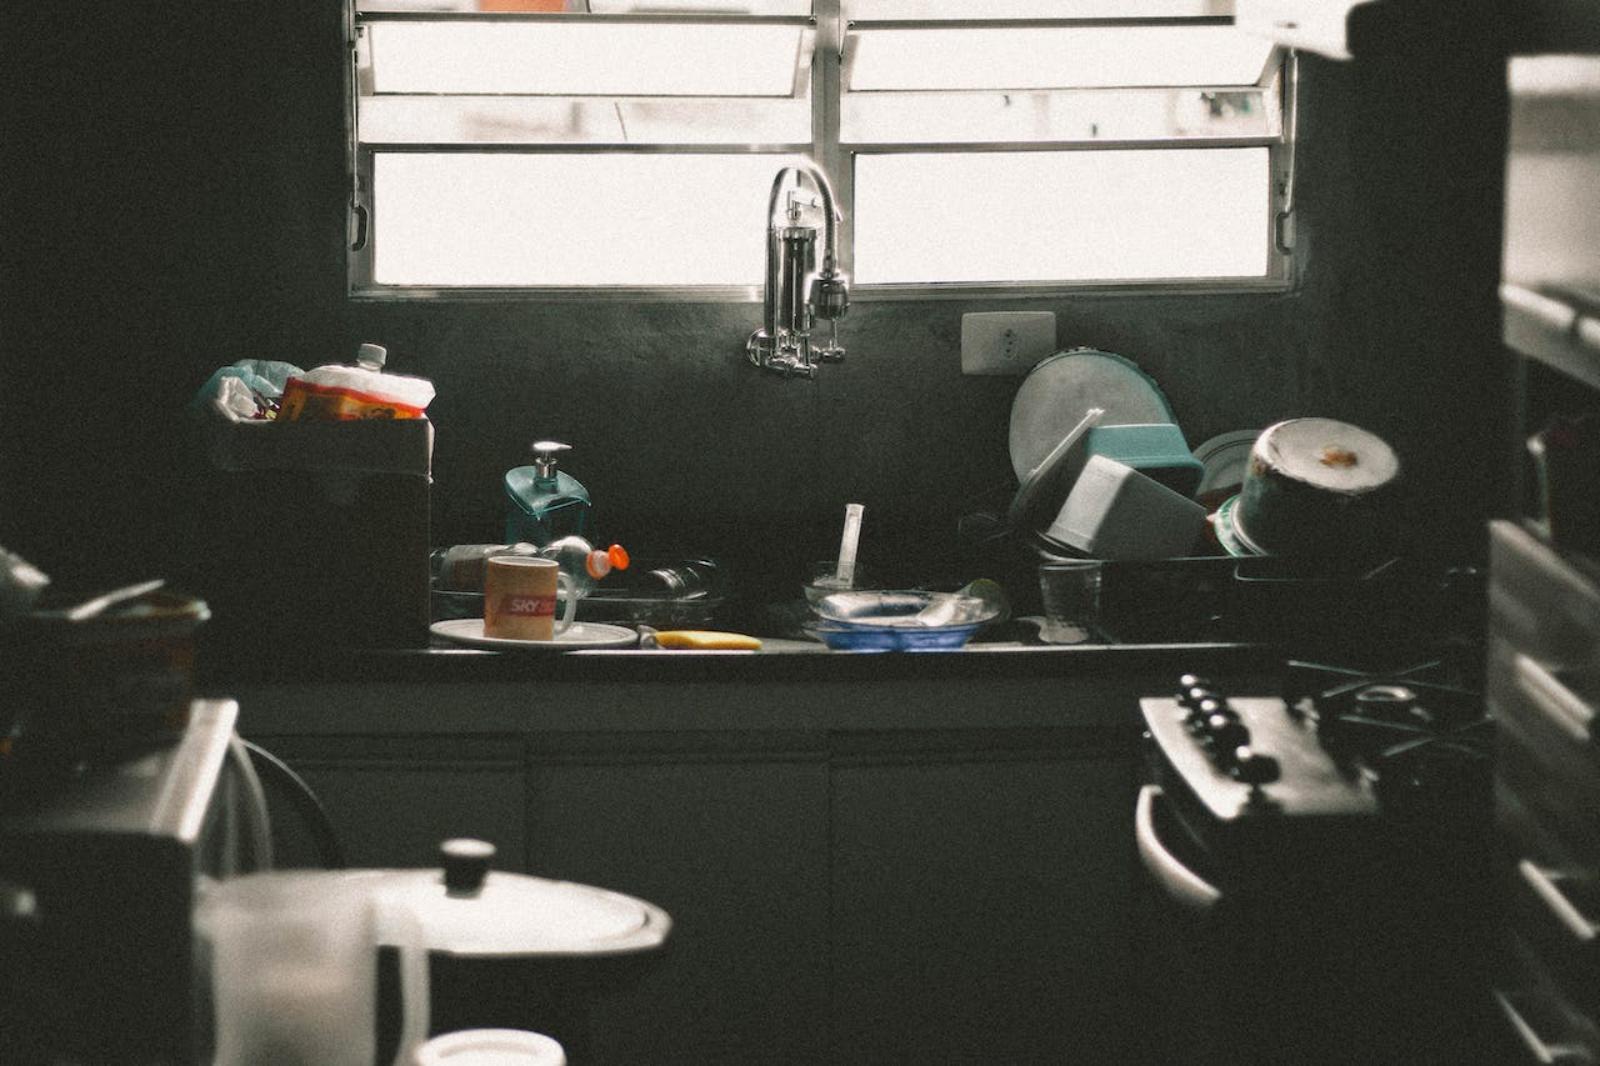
x=796 y=292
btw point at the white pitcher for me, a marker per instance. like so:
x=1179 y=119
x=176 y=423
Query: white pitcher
x=293 y=969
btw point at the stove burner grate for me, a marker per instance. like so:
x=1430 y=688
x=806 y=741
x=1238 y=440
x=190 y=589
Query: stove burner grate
x=1424 y=742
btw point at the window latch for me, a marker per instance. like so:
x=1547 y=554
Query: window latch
x=358 y=226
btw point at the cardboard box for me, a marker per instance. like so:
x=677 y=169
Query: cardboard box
x=317 y=534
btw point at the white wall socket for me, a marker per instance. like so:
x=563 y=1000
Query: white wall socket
x=1006 y=342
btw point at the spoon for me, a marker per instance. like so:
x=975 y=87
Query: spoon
x=941 y=612
x=944 y=610
x=90 y=608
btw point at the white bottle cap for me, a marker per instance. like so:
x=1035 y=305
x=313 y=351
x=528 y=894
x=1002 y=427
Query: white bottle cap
x=372 y=356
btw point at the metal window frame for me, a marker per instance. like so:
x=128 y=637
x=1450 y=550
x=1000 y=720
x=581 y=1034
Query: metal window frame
x=826 y=79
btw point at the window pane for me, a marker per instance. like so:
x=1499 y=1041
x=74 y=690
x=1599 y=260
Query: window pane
x=1061 y=216
x=1082 y=115
x=598 y=7
x=584 y=120
x=557 y=58
x=732 y=7
x=582 y=219
x=1055 y=9
x=1055 y=57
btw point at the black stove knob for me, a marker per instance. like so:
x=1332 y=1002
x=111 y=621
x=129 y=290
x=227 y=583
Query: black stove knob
x=1192 y=688
x=1254 y=768
x=1226 y=734
x=1202 y=712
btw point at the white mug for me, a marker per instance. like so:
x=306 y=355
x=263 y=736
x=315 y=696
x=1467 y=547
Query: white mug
x=519 y=598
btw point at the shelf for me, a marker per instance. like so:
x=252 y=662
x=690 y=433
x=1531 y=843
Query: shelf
x=1546 y=27
x=1560 y=330
x=1581 y=563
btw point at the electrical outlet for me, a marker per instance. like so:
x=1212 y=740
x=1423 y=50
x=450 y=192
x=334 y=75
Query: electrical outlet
x=1006 y=342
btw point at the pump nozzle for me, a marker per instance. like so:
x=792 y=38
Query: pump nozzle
x=544 y=456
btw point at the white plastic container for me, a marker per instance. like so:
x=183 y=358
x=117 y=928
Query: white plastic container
x=335 y=393
x=490 y=1047
x=292 y=969
x=1115 y=512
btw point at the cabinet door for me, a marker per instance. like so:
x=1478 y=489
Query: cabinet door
x=981 y=904
x=393 y=799
x=729 y=836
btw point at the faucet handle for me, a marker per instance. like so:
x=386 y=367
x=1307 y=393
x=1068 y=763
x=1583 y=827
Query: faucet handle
x=829 y=294
x=833 y=351
x=798 y=200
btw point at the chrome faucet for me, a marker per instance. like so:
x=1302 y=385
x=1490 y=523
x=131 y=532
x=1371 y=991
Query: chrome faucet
x=797 y=292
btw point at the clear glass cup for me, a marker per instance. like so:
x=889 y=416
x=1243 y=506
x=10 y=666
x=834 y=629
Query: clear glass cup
x=1070 y=589
x=822 y=579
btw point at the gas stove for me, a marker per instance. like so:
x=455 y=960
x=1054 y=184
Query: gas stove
x=1337 y=762
x=1331 y=832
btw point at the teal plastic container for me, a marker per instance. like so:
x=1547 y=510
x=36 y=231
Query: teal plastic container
x=1155 y=449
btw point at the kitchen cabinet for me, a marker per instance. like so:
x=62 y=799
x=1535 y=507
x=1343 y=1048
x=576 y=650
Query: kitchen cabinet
x=1544 y=692
x=393 y=799
x=980 y=894
x=877 y=870
x=1543 y=675
x=729 y=835
x=1542 y=26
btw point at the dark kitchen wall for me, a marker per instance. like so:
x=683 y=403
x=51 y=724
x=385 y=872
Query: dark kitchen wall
x=174 y=201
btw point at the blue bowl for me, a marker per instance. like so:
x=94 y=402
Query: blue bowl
x=842 y=637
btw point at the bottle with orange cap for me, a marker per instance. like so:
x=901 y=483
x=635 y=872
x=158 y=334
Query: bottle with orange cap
x=583 y=561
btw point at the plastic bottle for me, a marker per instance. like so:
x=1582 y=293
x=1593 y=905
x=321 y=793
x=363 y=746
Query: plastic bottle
x=683 y=580
x=459 y=568
x=336 y=393
x=584 y=562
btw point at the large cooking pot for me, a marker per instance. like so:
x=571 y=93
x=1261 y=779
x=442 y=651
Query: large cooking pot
x=313 y=963
x=1320 y=490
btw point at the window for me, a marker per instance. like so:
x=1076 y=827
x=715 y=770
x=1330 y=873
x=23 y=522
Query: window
x=628 y=146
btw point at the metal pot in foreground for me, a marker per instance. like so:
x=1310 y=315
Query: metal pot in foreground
x=1319 y=489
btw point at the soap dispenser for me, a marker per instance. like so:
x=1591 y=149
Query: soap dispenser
x=544 y=503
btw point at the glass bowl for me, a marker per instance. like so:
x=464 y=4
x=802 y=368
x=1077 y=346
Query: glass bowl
x=904 y=608
x=899 y=620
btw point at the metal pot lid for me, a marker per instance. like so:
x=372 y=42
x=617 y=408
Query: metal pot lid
x=1061 y=389
x=465 y=910
x=515 y=915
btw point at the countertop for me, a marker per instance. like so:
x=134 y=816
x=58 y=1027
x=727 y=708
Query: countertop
x=467 y=691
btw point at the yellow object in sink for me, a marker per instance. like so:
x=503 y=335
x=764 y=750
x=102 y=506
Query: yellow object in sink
x=696 y=639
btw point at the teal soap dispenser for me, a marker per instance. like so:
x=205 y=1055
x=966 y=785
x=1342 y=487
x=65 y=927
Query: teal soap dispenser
x=543 y=503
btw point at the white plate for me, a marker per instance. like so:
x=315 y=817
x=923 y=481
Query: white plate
x=1059 y=390
x=579 y=635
